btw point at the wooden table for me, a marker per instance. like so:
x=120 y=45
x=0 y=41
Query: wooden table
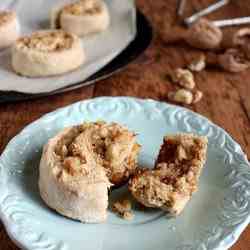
x=226 y=96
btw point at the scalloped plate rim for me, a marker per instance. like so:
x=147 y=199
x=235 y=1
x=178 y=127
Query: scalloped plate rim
x=230 y=238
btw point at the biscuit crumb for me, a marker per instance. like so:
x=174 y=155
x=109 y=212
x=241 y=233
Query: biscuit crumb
x=123 y=209
x=128 y=215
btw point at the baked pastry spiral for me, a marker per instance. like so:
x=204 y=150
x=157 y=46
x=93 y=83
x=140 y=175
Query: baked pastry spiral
x=175 y=178
x=80 y=164
x=9 y=28
x=47 y=53
x=82 y=17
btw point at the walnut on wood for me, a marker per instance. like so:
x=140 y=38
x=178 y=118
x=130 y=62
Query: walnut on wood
x=182 y=96
x=233 y=60
x=183 y=77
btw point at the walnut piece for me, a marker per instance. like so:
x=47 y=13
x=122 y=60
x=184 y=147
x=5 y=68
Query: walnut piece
x=241 y=39
x=204 y=35
x=184 y=78
x=233 y=60
x=198 y=64
x=197 y=96
x=181 y=96
x=123 y=209
x=128 y=215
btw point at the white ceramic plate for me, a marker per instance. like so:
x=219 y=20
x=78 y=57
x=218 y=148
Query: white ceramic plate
x=214 y=219
x=100 y=48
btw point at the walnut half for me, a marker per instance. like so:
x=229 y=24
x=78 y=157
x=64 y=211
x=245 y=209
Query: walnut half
x=242 y=39
x=184 y=78
x=181 y=96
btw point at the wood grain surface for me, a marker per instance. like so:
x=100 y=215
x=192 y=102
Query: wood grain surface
x=226 y=96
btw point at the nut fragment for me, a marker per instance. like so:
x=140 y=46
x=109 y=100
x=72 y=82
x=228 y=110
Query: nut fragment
x=204 y=35
x=74 y=166
x=123 y=208
x=233 y=60
x=128 y=215
x=181 y=96
x=197 y=96
x=198 y=64
x=184 y=78
x=242 y=39
x=242 y=36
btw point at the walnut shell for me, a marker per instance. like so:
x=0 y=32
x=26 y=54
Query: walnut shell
x=204 y=35
x=233 y=60
x=242 y=36
x=242 y=39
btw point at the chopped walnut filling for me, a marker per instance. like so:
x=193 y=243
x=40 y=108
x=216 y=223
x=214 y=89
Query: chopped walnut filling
x=175 y=177
x=110 y=146
x=47 y=41
x=6 y=16
x=82 y=7
x=123 y=209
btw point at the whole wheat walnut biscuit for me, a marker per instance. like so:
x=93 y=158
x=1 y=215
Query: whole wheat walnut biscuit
x=81 y=17
x=81 y=163
x=9 y=28
x=47 y=53
x=175 y=178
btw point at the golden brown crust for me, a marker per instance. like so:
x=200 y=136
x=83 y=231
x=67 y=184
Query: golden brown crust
x=56 y=40
x=82 y=7
x=110 y=146
x=175 y=177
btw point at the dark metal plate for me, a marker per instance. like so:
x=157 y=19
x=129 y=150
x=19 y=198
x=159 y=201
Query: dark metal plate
x=134 y=49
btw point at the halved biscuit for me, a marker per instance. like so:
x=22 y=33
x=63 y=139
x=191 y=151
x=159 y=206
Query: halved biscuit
x=175 y=178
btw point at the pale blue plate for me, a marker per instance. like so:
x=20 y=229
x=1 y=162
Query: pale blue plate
x=214 y=219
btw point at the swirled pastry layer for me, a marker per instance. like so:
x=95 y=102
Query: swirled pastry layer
x=47 y=53
x=82 y=17
x=175 y=177
x=80 y=164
